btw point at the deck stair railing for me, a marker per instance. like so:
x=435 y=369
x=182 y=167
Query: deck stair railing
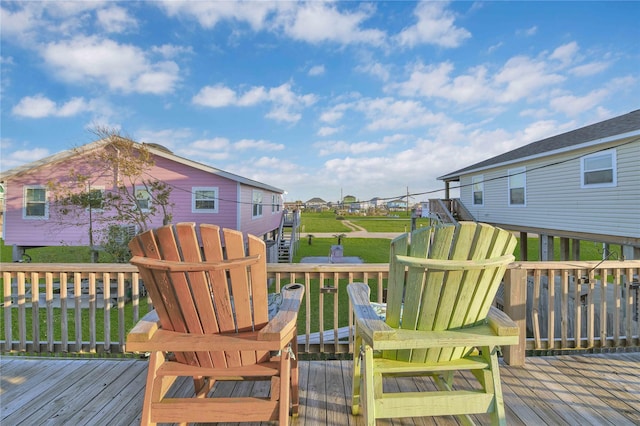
x=441 y=211
x=288 y=236
x=450 y=211
x=561 y=307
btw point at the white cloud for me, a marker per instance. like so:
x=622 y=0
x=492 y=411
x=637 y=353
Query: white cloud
x=169 y=138
x=122 y=67
x=318 y=22
x=16 y=158
x=285 y=103
x=334 y=114
x=259 y=145
x=209 y=13
x=521 y=77
x=375 y=69
x=316 y=70
x=435 y=25
x=435 y=81
x=589 y=69
x=213 y=144
x=566 y=53
x=215 y=96
x=39 y=106
x=172 y=51
x=116 y=19
x=334 y=147
x=327 y=131
x=390 y=114
x=572 y=105
x=528 y=32
x=19 y=22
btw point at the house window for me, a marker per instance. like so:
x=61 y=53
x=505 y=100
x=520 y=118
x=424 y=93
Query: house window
x=517 y=186
x=204 y=200
x=96 y=199
x=477 y=188
x=275 y=203
x=599 y=169
x=143 y=198
x=257 y=204
x=35 y=203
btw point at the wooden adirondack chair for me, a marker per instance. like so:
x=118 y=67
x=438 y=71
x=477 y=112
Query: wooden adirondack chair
x=211 y=323
x=439 y=320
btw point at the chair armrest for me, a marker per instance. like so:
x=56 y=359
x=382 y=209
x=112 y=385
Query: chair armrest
x=368 y=323
x=455 y=265
x=144 y=330
x=501 y=324
x=284 y=324
x=480 y=335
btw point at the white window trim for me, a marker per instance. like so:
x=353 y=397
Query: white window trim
x=614 y=168
x=24 y=203
x=253 y=204
x=204 y=188
x=143 y=188
x=518 y=170
x=480 y=179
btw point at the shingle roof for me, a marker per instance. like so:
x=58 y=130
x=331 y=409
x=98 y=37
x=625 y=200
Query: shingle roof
x=589 y=134
x=316 y=200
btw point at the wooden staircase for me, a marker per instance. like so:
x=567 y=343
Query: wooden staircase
x=288 y=236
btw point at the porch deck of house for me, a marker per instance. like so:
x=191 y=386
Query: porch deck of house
x=569 y=389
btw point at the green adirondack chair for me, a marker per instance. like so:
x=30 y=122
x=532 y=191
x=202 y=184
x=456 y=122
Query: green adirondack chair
x=439 y=320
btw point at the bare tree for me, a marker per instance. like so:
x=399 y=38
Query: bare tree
x=111 y=187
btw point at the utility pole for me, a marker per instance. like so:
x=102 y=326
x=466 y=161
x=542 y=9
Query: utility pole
x=407 y=201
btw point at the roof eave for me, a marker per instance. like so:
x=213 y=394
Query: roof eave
x=455 y=176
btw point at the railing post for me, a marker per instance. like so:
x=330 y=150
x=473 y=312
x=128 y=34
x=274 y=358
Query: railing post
x=515 y=305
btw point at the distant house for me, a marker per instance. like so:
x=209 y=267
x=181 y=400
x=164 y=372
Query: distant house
x=579 y=185
x=315 y=205
x=397 y=205
x=200 y=194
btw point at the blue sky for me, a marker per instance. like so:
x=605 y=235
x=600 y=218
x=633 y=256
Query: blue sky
x=321 y=99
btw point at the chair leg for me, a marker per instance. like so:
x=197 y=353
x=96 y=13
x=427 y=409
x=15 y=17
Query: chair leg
x=356 y=377
x=156 y=359
x=370 y=387
x=285 y=379
x=295 y=379
x=203 y=385
x=498 y=416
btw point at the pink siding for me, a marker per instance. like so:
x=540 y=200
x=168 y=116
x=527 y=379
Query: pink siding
x=182 y=178
x=269 y=219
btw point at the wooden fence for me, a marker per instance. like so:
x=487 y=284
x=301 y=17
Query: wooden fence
x=88 y=308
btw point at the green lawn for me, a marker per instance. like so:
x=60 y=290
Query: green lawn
x=371 y=250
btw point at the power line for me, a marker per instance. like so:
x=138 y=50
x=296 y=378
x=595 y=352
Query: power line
x=408 y=195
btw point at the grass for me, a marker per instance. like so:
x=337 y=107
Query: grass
x=321 y=222
x=370 y=250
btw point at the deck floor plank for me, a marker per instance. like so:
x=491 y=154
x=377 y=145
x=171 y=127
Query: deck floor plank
x=109 y=408
x=562 y=390
x=599 y=398
x=563 y=401
x=577 y=396
x=38 y=391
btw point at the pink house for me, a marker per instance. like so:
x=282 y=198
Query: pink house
x=200 y=194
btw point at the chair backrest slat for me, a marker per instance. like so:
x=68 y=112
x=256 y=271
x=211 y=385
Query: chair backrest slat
x=160 y=290
x=436 y=300
x=208 y=301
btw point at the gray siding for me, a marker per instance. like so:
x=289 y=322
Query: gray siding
x=555 y=200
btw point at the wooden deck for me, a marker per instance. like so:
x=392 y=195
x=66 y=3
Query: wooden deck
x=564 y=390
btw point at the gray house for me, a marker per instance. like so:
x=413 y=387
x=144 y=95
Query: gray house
x=579 y=185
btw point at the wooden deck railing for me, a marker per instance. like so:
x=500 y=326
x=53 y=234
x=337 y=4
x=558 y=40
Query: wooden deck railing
x=560 y=306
